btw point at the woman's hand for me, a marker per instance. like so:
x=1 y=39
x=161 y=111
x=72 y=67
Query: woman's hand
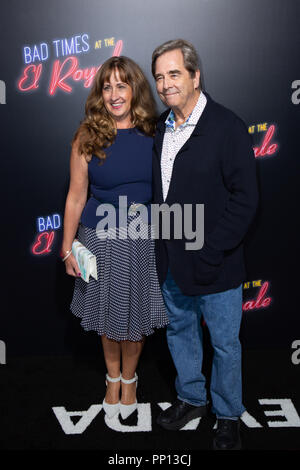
x=71 y=266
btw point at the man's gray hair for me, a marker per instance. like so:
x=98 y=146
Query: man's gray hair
x=190 y=56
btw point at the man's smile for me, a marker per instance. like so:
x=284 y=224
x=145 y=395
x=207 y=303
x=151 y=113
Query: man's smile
x=171 y=94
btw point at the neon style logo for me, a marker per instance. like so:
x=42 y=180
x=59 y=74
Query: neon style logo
x=266 y=147
x=44 y=240
x=64 y=72
x=261 y=300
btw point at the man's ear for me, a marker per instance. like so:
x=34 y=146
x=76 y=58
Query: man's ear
x=197 y=79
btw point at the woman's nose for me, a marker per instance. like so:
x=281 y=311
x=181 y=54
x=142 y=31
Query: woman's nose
x=114 y=94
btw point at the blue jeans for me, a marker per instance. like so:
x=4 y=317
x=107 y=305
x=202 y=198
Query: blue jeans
x=222 y=313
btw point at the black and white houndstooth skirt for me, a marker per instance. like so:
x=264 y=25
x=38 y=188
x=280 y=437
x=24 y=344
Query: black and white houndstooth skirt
x=125 y=303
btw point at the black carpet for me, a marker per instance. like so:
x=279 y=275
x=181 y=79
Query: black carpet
x=37 y=393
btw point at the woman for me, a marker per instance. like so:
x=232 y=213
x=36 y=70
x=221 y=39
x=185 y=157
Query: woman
x=112 y=150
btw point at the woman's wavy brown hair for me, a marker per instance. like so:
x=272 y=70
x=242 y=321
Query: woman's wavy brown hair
x=98 y=130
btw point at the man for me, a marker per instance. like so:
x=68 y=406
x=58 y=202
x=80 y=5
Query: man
x=202 y=155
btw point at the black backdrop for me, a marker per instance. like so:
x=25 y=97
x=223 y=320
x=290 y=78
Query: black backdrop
x=249 y=62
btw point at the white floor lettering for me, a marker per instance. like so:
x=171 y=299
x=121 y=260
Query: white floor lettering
x=286 y=410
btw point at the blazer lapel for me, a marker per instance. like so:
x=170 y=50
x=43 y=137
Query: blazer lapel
x=159 y=137
x=201 y=128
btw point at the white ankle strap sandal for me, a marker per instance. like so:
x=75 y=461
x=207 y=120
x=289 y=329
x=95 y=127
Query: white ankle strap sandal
x=111 y=409
x=129 y=381
x=113 y=379
x=127 y=410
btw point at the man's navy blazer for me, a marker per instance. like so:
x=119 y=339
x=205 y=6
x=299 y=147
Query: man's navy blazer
x=215 y=167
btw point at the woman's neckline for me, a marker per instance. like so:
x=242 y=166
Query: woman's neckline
x=126 y=129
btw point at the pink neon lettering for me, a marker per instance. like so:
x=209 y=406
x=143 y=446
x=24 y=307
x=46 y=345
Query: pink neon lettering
x=56 y=81
x=43 y=243
x=260 y=301
x=265 y=148
x=31 y=75
x=77 y=74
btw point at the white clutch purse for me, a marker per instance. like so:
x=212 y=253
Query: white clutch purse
x=86 y=261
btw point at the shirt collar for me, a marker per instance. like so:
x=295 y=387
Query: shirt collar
x=193 y=117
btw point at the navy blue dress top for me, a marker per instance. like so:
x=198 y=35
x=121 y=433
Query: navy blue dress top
x=126 y=171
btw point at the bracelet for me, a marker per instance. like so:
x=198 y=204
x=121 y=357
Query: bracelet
x=68 y=254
